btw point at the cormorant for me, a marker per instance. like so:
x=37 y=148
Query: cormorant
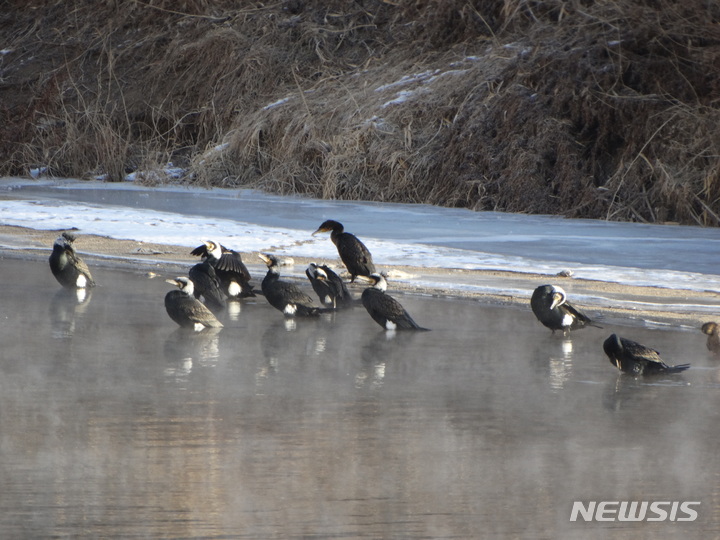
x=232 y=273
x=631 y=357
x=550 y=306
x=384 y=309
x=207 y=285
x=713 y=333
x=185 y=309
x=283 y=295
x=67 y=267
x=354 y=254
x=329 y=287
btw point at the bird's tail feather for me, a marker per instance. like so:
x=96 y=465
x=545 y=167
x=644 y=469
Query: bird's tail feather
x=410 y=324
x=678 y=368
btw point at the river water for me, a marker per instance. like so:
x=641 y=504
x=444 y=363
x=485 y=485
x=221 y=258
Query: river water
x=116 y=424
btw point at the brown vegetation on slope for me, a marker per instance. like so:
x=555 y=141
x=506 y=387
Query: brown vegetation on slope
x=600 y=109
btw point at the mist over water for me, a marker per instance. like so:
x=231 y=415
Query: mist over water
x=115 y=423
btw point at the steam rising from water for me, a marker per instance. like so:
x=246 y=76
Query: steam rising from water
x=123 y=425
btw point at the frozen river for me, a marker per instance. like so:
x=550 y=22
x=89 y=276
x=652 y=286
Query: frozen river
x=247 y=220
x=115 y=424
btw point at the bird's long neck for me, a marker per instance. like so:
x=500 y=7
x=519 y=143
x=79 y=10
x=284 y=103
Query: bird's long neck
x=61 y=251
x=273 y=274
x=335 y=235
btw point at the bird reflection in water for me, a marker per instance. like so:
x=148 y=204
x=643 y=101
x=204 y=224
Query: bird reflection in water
x=234 y=308
x=276 y=346
x=319 y=346
x=375 y=356
x=66 y=306
x=187 y=350
x=561 y=366
x=180 y=371
x=290 y=325
x=553 y=358
x=371 y=376
x=627 y=393
x=637 y=394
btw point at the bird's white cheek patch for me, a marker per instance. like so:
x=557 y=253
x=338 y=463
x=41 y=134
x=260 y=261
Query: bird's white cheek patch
x=81 y=281
x=290 y=309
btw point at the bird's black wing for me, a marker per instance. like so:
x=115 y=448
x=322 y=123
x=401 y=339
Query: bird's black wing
x=231 y=261
x=579 y=319
x=355 y=255
x=192 y=309
x=81 y=266
x=641 y=352
x=284 y=292
x=337 y=287
x=323 y=288
x=293 y=294
x=200 y=251
x=381 y=306
x=654 y=363
x=207 y=284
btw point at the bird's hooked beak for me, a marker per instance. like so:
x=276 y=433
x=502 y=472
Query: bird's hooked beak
x=173 y=282
x=265 y=258
x=374 y=282
x=320 y=230
x=558 y=298
x=320 y=274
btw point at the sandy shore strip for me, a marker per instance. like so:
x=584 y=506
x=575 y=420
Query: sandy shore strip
x=610 y=302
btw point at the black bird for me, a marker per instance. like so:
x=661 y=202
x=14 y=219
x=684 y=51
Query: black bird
x=550 y=306
x=283 y=295
x=230 y=269
x=207 y=285
x=67 y=267
x=355 y=256
x=329 y=287
x=713 y=333
x=631 y=357
x=185 y=309
x=384 y=309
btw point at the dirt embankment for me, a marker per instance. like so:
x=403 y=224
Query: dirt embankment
x=582 y=108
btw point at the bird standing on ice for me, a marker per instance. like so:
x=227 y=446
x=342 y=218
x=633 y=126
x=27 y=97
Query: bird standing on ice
x=355 y=256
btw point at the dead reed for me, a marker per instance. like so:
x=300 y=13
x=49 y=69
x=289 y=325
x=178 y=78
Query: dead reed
x=584 y=108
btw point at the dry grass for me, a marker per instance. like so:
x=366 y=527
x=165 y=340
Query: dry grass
x=583 y=108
